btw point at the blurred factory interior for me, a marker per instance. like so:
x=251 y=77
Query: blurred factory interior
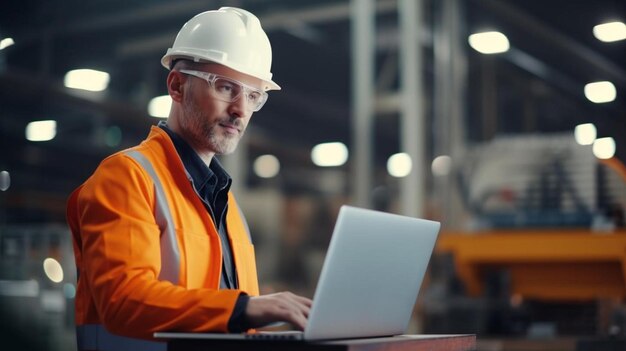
x=503 y=119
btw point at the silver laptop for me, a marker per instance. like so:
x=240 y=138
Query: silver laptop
x=369 y=282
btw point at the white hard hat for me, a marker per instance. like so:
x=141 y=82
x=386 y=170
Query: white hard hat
x=229 y=36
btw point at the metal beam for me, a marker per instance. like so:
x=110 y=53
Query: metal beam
x=274 y=20
x=449 y=101
x=362 y=33
x=412 y=133
x=15 y=83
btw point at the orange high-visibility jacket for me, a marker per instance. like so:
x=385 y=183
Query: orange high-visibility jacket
x=147 y=251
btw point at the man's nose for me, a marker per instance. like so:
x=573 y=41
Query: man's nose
x=240 y=107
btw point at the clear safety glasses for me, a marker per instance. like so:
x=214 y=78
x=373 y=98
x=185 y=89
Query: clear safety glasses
x=230 y=90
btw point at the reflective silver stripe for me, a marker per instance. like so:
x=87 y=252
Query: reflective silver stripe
x=170 y=254
x=96 y=337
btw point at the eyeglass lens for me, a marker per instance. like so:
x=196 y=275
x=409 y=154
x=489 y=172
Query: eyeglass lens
x=230 y=91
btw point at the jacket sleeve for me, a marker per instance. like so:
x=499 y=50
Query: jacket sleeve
x=120 y=250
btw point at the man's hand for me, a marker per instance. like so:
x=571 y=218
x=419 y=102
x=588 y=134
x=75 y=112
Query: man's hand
x=283 y=306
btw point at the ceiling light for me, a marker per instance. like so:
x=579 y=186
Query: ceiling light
x=160 y=106
x=608 y=32
x=41 y=130
x=585 y=134
x=53 y=270
x=6 y=42
x=600 y=92
x=266 y=166
x=489 y=42
x=399 y=165
x=5 y=180
x=329 y=154
x=441 y=165
x=604 y=148
x=87 y=79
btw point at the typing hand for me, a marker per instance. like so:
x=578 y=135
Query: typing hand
x=283 y=306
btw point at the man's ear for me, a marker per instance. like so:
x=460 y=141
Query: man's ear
x=176 y=85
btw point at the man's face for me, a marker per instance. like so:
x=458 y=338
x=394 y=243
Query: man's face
x=212 y=125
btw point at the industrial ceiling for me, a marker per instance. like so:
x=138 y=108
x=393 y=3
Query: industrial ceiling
x=538 y=89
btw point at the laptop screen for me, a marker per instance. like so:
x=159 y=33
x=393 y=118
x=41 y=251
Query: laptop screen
x=371 y=275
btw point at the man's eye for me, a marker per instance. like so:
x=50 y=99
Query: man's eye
x=224 y=87
x=254 y=96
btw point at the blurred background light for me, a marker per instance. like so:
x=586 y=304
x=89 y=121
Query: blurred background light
x=113 y=136
x=585 y=134
x=5 y=180
x=266 y=166
x=87 y=79
x=489 y=42
x=6 y=42
x=20 y=288
x=441 y=165
x=609 y=32
x=41 y=130
x=159 y=106
x=329 y=154
x=604 y=148
x=69 y=290
x=399 y=165
x=53 y=270
x=600 y=92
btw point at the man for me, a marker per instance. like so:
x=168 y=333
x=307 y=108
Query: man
x=159 y=240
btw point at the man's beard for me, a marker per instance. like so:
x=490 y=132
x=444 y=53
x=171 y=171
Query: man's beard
x=204 y=134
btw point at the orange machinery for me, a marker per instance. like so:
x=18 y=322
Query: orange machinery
x=559 y=265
